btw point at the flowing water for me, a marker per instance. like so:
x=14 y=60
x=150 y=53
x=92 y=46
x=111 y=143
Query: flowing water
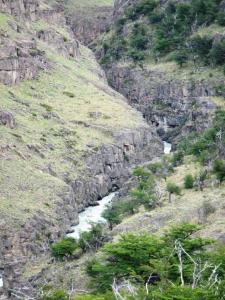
x=167 y=147
x=92 y=214
x=1 y=280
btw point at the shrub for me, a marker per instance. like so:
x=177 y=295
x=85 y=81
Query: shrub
x=219 y=169
x=180 y=57
x=221 y=18
x=136 y=55
x=155 y=167
x=69 y=94
x=92 y=239
x=138 y=38
x=130 y=256
x=112 y=215
x=48 y=108
x=64 y=248
x=134 y=257
x=217 y=53
x=177 y=158
x=172 y=188
x=146 y=7
x=58 y=294
x=141 y=173
x=201 y=46
x=188 y=181
x=207 y=209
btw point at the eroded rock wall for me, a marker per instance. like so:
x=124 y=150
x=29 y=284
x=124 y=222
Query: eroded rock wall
x=20 y=60
x=106 y=170
x=174 y=106
x=89 y=23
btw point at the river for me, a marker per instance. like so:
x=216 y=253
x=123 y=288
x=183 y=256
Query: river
x=92 y=214
x=167 y=147
x=1 y=280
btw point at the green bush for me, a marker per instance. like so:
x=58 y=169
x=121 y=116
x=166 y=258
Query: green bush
x=172 y=188
x=221 y=18
x=48 y=108
x=146 y=7
x=112 y=215
x=134 y=257
x=201 y=46
x=188 y=181
x=177 y=158
x=92 y=239
x=64 y=248
x=217 y=53
x=180 y=57
x=138 y=38
x=58 y=294
x=219 y=169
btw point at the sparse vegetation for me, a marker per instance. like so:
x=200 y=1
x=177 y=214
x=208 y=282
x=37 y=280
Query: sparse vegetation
x=172 y=188
x=64 y=248
x=188 y=181
x=166 y=264
x=93 y=239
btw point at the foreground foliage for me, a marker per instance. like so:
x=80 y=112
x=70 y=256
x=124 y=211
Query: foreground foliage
x=177 y=265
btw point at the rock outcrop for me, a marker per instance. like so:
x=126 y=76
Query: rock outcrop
x=174 y=106
x=20 y=60
x=87 y=24
x=7 y=119
x=68 y=49
x=21 y=8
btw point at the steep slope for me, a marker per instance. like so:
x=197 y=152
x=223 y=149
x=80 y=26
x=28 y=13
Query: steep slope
x=88 y=19
x=166 y=67
x=67 y=139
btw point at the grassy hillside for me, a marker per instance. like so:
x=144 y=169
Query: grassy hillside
x=75 y=4
x=68 y=111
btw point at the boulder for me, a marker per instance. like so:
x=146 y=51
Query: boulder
x=7 y=119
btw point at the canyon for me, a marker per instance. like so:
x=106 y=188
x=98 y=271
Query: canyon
x=65 y=139
x=71 y=131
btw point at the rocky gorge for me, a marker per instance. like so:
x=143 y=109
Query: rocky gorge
x=61 y=191
x=70 y=133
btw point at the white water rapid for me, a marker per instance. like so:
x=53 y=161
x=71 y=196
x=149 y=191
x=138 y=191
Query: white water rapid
x=92 y=214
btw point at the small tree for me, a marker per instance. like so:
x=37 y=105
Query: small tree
x=112 y=215
x=92 y=239
x=64 y=248
x=172 y=188
x=188 y=181
x=218 y=53
x=219 y=169
x=180 y=57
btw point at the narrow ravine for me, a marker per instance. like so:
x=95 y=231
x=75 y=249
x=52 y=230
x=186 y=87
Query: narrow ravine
x=92 y=214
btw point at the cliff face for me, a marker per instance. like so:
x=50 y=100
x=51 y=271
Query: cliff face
x=89 y=19
x=67 y=139
x=176 y=100
x=175 y=106
x=88 y=24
